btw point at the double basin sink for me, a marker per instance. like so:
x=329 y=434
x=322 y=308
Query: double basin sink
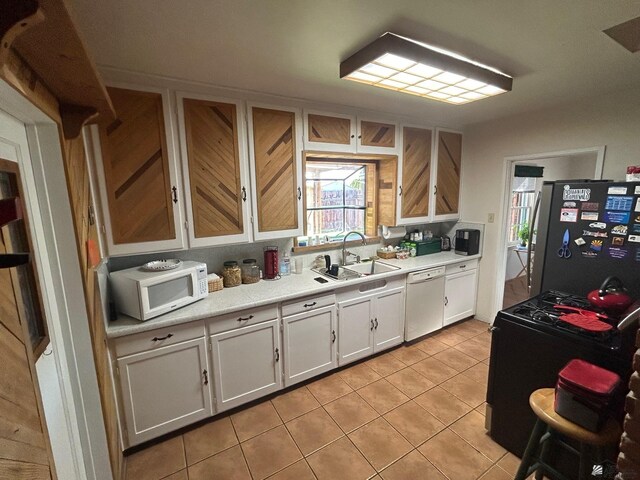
x=357 y=270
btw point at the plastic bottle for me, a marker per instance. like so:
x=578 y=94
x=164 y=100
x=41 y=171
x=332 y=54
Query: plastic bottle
x=285 y=265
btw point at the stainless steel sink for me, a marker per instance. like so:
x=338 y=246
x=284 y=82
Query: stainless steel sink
x=357 y=270
x=365 y=268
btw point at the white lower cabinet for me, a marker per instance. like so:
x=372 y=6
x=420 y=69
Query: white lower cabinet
x=309 y=344
x=460 y=291
x=164 y=389
x=370 y=322
x=246 y=363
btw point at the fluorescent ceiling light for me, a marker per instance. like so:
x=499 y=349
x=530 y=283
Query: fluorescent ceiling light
x=407 y=66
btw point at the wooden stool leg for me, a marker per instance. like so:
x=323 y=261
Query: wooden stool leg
x=586 y=462
x=532 y=446
x=544 y=453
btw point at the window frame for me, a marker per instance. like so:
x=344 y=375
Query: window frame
x=527 y=208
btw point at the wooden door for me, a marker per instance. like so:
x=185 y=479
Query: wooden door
x=309 y=344
x=389 y=319
x=449 y=156
x=165 y=389
x=329 y=132
x=246 y=364
x=355 y=327
x=214 y=162
x=377 y=137
x=277 y=164
x=416 y=174
x=24 y=442
x=139 y=174
x=460 y=291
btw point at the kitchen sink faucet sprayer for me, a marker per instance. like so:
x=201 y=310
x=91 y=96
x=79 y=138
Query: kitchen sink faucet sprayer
x=345 y=254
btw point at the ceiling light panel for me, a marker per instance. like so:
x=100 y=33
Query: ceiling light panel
x=401 y=64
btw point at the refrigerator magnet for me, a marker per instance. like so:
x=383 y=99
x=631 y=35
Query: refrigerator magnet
x=616 y=217
x=576 y=194
x=619 y=203
x=598 y=225
x=637 y=190
x=619 y=230
x=589 y=254
x=580 y=241
x=589 y=233
x=569 y=215
x=590 y=206
x=570 y=204
x=596 y=245
x=617 y=241
x=638 y=255
x=637 y=219
x=617 y=252
x=634 y=238
x=635 y=229
x=637 y=209
x=617 y=191
x=589 y=216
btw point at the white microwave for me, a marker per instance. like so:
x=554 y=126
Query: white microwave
x=143 y=295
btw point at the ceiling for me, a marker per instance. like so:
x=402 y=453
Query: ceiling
x=555 y=50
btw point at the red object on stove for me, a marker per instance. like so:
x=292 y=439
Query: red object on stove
x=586 y=322
x=582 y=311
x=612 y=297
x=586 y=378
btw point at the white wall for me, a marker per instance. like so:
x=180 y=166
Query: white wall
x=612 y=120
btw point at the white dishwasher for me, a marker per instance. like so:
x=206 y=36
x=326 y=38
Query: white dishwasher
x=424 y=311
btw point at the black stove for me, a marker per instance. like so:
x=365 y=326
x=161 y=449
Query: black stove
x=530 y=345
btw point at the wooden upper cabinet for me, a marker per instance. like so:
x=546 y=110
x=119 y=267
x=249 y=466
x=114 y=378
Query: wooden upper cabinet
x=449 y=157
x=140 y=174
x=415 y=174
x=377 y=137
x=329 y=132
x=215 y=172
x=277 y=168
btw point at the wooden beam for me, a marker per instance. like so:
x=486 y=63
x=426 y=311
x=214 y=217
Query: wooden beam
x=74 y=117
x=17 y=17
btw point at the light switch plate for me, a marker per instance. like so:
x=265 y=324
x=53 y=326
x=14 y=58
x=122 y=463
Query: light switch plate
x=491 y=218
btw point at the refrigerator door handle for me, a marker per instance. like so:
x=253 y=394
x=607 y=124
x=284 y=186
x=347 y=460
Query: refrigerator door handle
x=529 y=244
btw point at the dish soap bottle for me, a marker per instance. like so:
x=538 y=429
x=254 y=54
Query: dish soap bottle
x=285 y=265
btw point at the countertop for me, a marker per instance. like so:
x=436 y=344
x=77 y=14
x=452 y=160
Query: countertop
x=267 y=292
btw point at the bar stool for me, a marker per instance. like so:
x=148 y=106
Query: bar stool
x=545 y=433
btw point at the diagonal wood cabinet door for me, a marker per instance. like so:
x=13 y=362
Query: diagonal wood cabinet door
x=414 y=171
x=138 y=173
x=215 y=169
x=448 y=174
x=276 y=160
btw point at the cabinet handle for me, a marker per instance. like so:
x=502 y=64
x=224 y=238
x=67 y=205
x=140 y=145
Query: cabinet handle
x=462 y=266
x=333 y=336
x=376 y=327
x=159 y=339
x=243 y=319
x=307 y=305
x=400 y=194
x=206 y=377
x=359 y=136
x=435 y=189
x=371 y=325
x=446 y=301
x=299 y=193
x=244 y=194
x=277 y=355
x=174 y=191
x=353 y=136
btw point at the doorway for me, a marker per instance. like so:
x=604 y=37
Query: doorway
x=524 y=178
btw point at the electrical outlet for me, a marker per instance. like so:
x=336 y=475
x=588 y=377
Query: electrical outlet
x=491 y=218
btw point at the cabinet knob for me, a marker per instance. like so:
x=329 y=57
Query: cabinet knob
x=353 y=136
x=359 y=136
x=206 y=377
x=277 y=355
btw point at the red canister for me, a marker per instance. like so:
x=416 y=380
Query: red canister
x=270 y=263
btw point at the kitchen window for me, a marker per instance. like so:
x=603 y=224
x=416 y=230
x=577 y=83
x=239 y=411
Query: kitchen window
x=522 y=199
x=336 y=198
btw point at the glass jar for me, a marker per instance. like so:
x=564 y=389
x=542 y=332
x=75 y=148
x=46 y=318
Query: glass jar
x=250 y=271
x=231 y=276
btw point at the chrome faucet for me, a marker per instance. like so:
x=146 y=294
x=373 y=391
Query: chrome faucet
x=345 y=254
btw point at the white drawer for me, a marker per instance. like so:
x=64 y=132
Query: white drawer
x=162 y=337
x=307 y=304
x=462 y=266
x=242 y=318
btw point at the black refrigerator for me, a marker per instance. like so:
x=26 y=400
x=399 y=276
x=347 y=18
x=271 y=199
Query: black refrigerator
x=601 y=221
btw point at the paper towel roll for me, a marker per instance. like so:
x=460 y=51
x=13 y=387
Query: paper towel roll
x=392 y=232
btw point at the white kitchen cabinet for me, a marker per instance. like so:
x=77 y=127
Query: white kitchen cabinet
x=460 y=291
x=388 y=327
x=370 y=319
x=164 y=389
x=246 y=363
x=310 y=340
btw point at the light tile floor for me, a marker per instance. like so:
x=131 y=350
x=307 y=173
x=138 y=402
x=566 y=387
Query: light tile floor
x=414 y=412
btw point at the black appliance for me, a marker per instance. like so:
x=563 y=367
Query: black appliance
x=605 y=216
x=467 y=241
x=530 y=345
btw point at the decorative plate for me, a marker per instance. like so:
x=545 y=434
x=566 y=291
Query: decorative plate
x=161 y=265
